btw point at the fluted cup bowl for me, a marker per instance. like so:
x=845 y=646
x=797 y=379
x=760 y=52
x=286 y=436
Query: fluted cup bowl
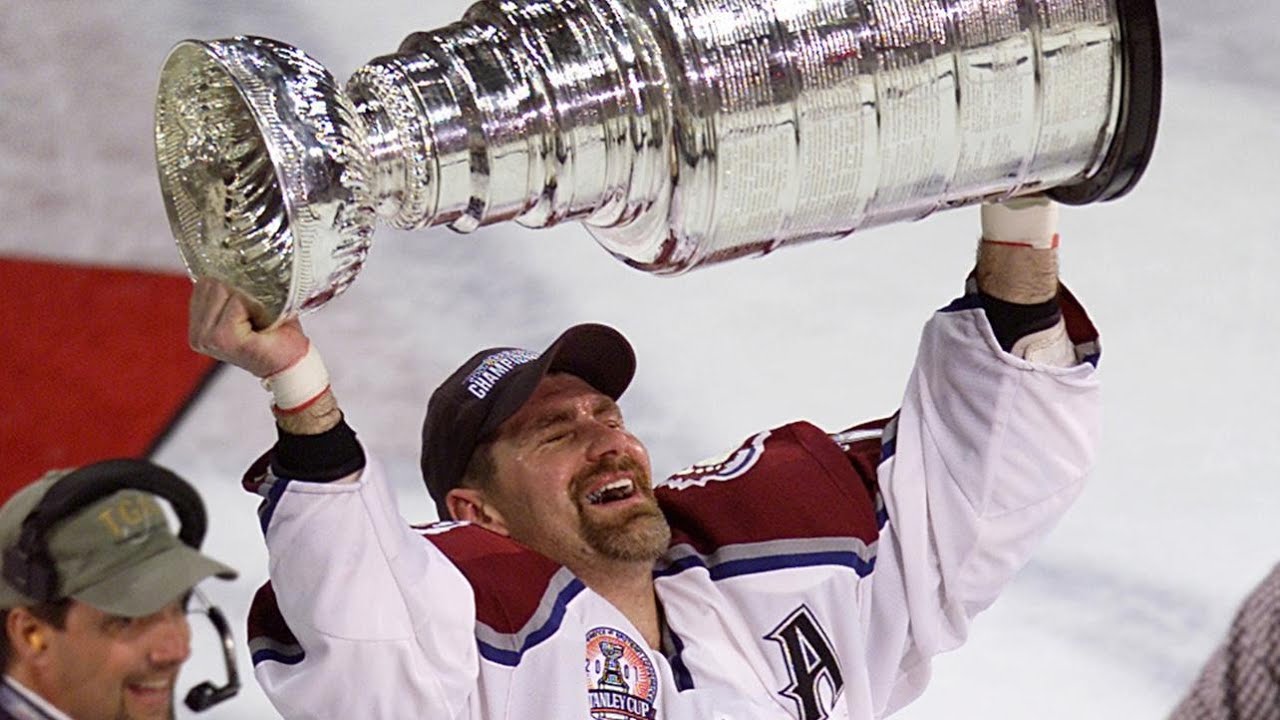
x=263 y=173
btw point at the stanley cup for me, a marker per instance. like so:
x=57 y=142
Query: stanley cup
x=680 y=132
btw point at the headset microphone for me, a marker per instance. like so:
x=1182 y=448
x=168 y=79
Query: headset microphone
x=206 y=694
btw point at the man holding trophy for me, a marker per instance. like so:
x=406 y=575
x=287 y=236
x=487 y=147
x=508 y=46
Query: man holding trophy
x=804 y=574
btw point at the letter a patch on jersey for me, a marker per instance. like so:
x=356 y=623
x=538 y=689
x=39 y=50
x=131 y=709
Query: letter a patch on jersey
x=816 y=681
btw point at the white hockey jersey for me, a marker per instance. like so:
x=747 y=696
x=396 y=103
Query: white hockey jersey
x=809 y=575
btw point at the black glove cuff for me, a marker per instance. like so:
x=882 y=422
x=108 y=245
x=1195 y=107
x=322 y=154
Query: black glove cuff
x=333 y=454
x=1013 y=321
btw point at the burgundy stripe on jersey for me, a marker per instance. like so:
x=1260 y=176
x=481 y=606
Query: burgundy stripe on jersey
x=791 y=483
x=509 y=579
x=864 y=448
x=259 y=480
x=256 y=475
x=1079 y=327
x=751 y=558
x=269 y=635
x=520 y=595
x=867 y=446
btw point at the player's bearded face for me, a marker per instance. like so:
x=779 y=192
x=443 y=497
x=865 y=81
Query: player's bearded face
x=572 y=482
x=635 y=532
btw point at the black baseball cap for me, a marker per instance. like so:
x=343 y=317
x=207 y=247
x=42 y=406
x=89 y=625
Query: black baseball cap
x=495 y=383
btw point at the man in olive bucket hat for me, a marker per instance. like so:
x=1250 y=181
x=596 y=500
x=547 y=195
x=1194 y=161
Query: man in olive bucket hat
x=94 y=591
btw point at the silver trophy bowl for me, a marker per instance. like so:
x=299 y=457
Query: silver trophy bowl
x=681 y=133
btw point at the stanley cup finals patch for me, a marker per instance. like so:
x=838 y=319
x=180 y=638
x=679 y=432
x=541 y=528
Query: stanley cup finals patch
x=621 y=681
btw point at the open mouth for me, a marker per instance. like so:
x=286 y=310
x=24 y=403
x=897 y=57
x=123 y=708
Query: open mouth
x=612 y=492
x=151 y=693
x=151 y=686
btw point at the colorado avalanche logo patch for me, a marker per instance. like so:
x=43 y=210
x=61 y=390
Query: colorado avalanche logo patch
x=621 y=681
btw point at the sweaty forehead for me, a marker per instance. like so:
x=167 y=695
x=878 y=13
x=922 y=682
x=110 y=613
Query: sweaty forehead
x=558 y=397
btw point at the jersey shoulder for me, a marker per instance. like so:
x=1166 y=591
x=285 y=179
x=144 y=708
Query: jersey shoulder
x=510 y=581
x=793 y=482
x=520 y=596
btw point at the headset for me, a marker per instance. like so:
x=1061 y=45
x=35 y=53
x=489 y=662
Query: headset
x=28 y=566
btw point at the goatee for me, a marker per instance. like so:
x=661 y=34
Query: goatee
x=641 y=534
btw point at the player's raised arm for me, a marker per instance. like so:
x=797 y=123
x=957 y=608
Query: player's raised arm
x=315 y=443
x=348 y=575
x=997 y=431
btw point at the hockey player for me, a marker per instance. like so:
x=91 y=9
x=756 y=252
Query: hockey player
x=802 y=575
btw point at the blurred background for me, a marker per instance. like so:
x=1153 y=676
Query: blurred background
x=1113 y=617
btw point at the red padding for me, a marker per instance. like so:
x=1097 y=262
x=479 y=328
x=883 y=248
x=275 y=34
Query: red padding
x=94 y=364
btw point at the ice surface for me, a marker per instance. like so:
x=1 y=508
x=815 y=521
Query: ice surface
x=1112 y=618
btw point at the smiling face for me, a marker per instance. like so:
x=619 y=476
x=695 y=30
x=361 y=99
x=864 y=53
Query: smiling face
x=106 y=667
x=572 y=483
